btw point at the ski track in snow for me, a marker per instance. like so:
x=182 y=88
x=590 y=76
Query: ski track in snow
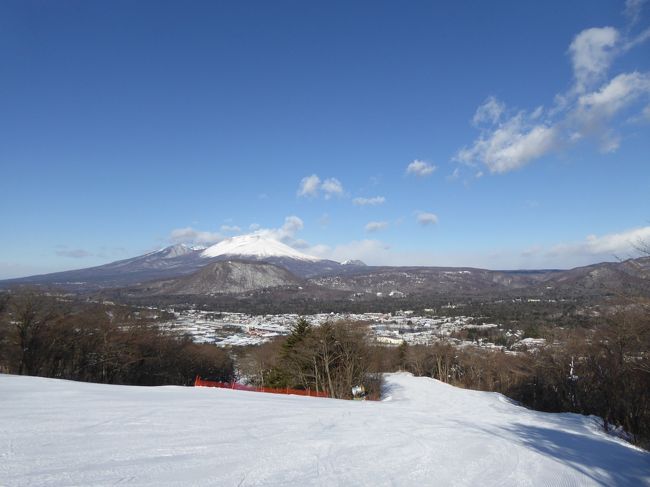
x=61 y=433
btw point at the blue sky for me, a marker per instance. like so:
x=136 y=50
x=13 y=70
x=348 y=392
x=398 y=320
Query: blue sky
x=493 y=134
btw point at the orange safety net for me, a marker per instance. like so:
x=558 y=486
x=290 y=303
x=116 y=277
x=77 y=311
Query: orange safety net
x=198 y=382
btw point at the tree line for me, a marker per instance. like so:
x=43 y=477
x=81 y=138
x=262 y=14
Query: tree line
x=47 y=336
x=604 y=370
x=333 y=357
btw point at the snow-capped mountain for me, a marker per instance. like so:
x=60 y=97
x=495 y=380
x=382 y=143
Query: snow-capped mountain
x=256 y=246
x=260 y=248
x=180 y=260
x=178 y=250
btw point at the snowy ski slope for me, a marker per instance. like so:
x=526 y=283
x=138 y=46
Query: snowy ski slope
x=425 y=433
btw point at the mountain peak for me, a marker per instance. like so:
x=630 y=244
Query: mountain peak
x=255 y=245
x=177 y=250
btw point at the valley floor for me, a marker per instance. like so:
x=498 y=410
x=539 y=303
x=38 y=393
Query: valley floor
x=55 y=432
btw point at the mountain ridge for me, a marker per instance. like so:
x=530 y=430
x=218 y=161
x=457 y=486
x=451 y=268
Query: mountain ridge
x=177 y=261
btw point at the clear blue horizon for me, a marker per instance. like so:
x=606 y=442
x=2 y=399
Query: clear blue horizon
x=499 y=135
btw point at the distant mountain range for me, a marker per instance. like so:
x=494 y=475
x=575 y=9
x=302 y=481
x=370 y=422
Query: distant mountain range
x=180 y=260
x=252 y=262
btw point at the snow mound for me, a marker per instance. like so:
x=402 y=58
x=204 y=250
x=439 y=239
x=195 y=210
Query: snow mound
x=55 y=432
x=254 y=245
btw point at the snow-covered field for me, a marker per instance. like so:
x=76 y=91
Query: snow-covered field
x=60 y=433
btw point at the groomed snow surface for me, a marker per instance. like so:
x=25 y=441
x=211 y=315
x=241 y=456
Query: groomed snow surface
x=425 y=433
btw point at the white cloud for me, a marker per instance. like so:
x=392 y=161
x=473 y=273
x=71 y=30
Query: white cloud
x=511 y=145
x=420 y=168
x=588 y=110
x=425 y=218
x=490 y=111
x=292 y=224
x=592 y=249
x=300 y=244
x=191 y=235
x=332 y=187
x=312 y=186
x=372 y=252
x=320 y=250
x=375 y=226
x=619 y=244
x=309 y=186
x=286 y=233
x=592 y=52
x=618 y=93
x=374 y=201
x=595 y=111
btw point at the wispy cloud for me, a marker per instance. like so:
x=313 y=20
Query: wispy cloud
x=332 y=187
x=424 y=218
x=620 y=244
x=285 y=233
x=370 y=251
x=230 y=229
x=374 y=201
x=633 y=10
x=420 y=168
x=489 y=112
x=74 y=253
x=592 y=52
x=593 y=248
x=312 y=186
x=589 y=110
x=594 y=110
x=309 y=186
x=375 y=226
x=191 y=235
x=511 y=144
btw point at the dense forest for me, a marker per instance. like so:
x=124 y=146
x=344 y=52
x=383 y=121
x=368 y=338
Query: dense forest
x=53 y=337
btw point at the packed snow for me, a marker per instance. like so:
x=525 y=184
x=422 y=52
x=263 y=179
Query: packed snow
x=254 y=245
x=55 y=432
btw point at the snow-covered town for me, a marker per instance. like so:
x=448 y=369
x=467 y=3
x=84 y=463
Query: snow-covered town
x=390 y=329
